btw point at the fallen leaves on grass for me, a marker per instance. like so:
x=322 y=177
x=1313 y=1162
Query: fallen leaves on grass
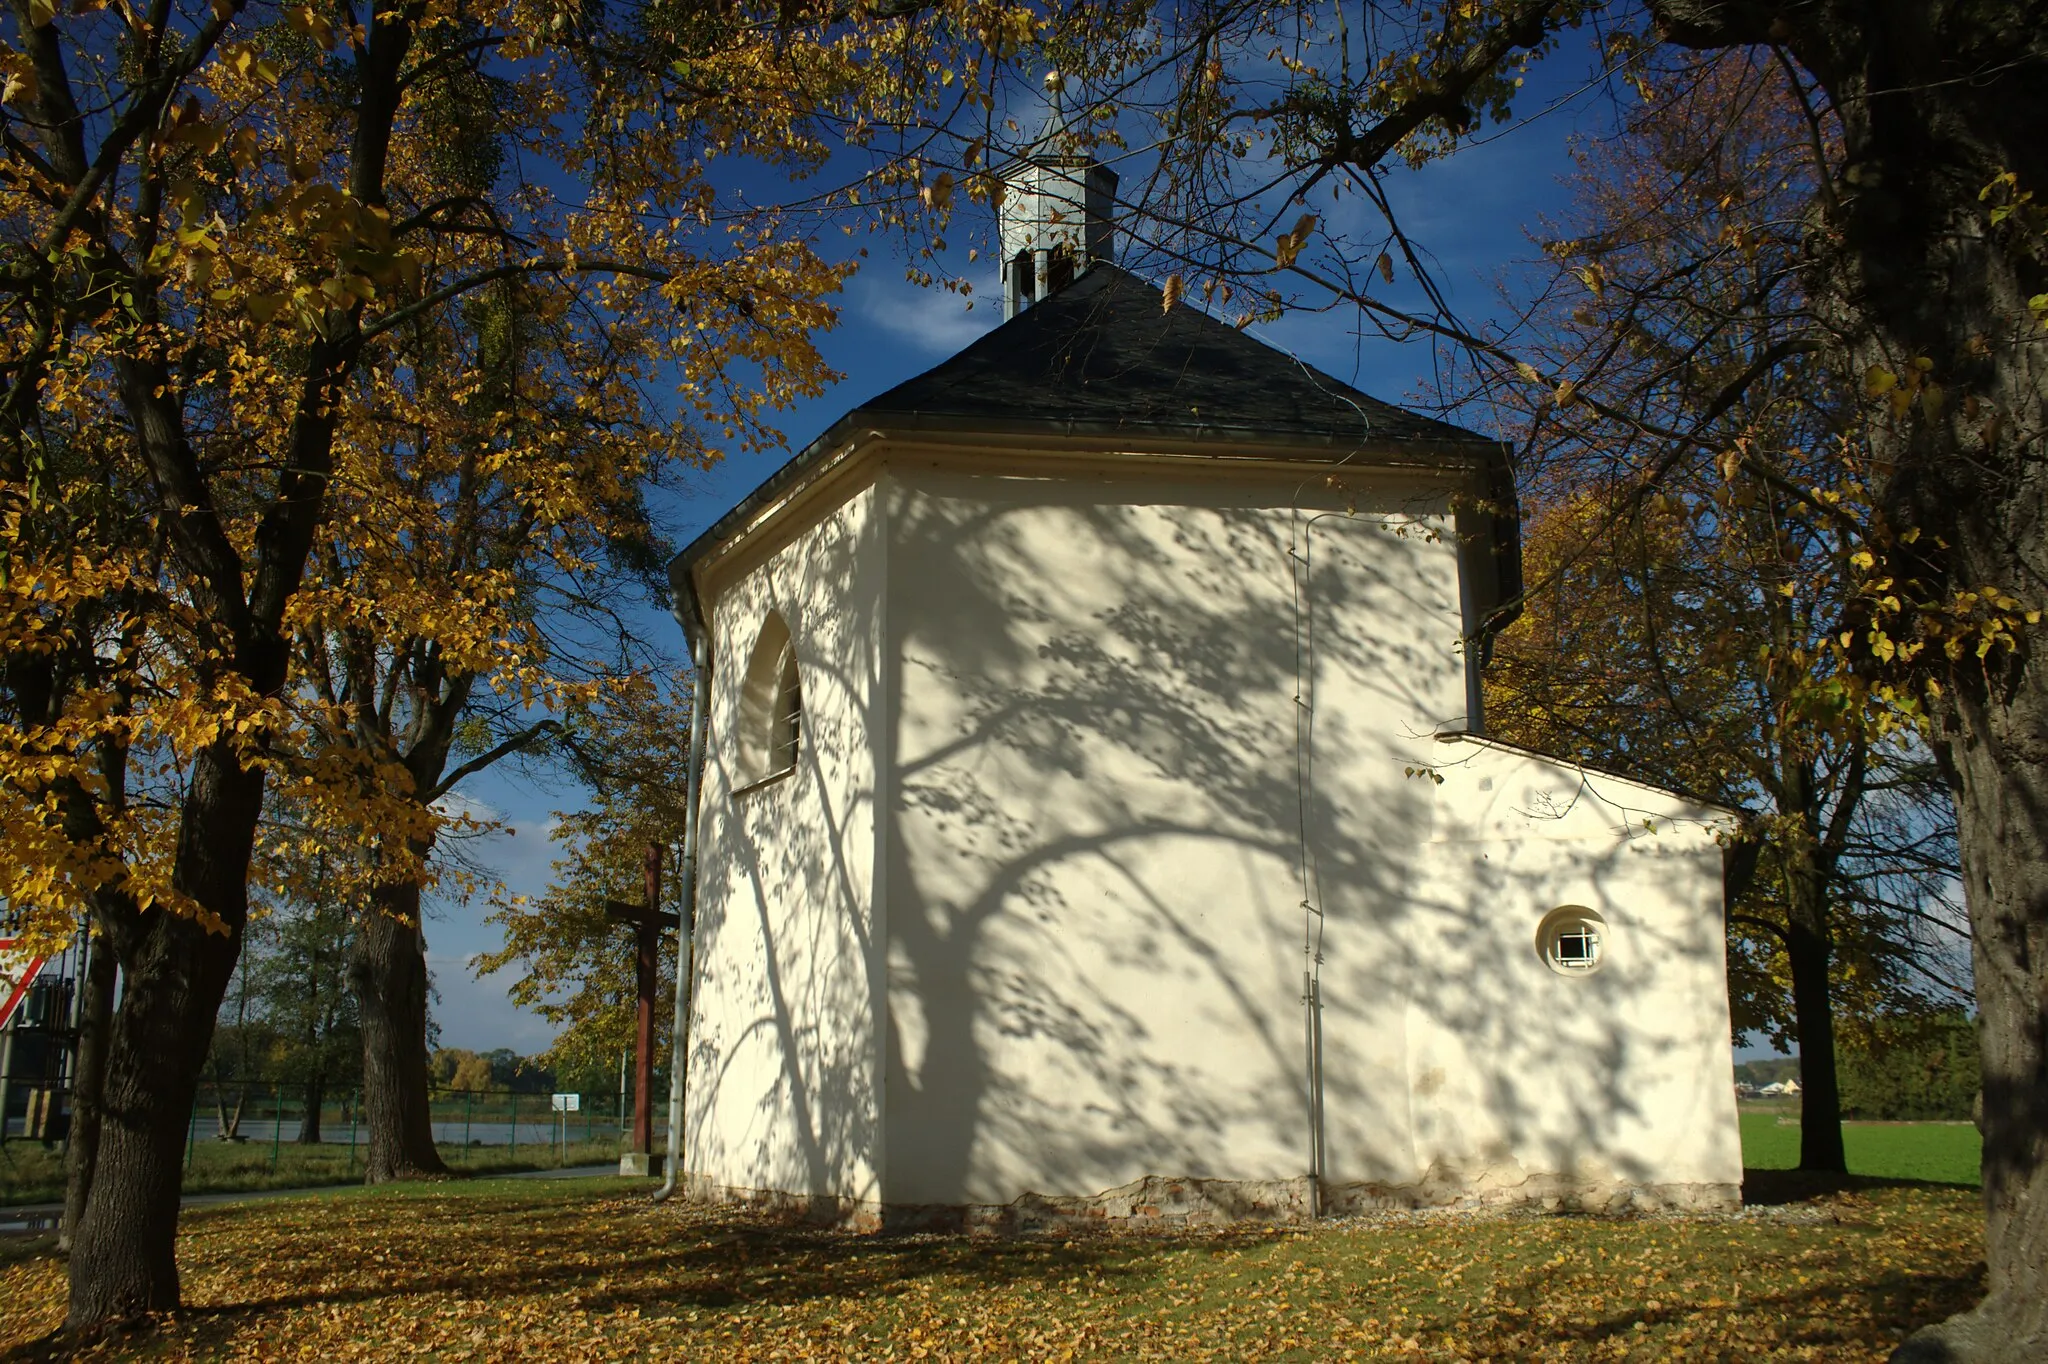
x=493 y=1271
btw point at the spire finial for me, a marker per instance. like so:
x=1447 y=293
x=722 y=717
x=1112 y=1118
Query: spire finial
x=1055 y=115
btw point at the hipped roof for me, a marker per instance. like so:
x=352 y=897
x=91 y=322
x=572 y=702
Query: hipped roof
x=1106 y=357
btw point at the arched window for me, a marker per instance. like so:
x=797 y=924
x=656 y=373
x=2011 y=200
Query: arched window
x=1023 y=284
x=771 y=706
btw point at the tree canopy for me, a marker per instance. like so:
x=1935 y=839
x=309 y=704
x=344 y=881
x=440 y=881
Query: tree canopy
x=237 y=242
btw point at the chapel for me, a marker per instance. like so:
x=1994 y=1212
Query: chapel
x=1098 y=821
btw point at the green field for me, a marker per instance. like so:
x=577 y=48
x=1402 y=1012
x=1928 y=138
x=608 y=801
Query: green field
x=1940 y=1152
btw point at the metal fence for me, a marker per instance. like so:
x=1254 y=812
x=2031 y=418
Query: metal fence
x=467 y=1124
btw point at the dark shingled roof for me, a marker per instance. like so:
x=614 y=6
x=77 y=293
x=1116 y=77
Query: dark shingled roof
x=1105 y=355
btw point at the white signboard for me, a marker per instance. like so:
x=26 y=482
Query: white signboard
x=568 y=1103
x=17 y=970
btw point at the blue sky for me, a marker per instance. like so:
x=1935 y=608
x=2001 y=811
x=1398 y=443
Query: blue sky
x=1472 y=213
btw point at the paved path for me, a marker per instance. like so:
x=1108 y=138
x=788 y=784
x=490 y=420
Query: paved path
x=42 y=1216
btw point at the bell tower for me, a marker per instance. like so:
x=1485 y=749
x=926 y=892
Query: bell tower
x=1054 y=222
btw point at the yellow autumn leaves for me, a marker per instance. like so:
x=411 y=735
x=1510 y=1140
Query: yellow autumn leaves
x=515 y=1269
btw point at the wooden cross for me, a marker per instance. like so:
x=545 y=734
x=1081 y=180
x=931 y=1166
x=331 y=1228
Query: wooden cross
x=647 y=921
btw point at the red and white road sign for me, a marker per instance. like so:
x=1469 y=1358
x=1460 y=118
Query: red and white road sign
x=17 y=970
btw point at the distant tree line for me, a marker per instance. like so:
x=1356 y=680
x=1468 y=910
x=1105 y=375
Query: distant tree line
x=502 y=1069
x=1910 y=1068
x=1770 y=1070
x=1913 y=1069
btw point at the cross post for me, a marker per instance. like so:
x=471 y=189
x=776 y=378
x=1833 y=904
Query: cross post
x=647 y=921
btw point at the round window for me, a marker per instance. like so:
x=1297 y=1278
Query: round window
x=1573 y=940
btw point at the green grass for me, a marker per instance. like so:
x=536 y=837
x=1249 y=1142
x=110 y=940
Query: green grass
x=30 y=1173
x=1943 y=1153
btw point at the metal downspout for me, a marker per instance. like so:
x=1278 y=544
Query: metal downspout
x=686 y=909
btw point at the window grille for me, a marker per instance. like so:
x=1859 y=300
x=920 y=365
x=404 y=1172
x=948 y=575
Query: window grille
x=1578 y=948
x=1572 y=940
x=788 y=717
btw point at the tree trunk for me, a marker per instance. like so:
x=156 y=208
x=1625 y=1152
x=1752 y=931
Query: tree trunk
x=316 y=1082
x=1810 y=953
x=175 y=973
x=81 y=1155
x=123 y=1262
x=1921 y=280
x=388 y=968
x=228 y=1126
x=1998 y=754
x=316 y=1094
x=2004 y=773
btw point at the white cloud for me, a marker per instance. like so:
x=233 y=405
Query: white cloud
x=932 y=320
x=456 y=805
x=521 y=854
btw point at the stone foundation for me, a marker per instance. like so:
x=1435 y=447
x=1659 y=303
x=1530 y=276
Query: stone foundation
x=1509 y=1187
x=1157 y=1203
x=829 y=1210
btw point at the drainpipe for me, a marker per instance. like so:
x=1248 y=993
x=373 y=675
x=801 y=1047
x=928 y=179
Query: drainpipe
x=686 y=909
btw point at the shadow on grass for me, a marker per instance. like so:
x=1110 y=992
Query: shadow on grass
x=697 y=1262
x=1777 y=1188
x=736 y=1262
x=784 y=1265
x=1894 y=1303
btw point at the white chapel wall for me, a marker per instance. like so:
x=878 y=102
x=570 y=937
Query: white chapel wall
x=1094 y=878
x=1095 y=932
x=784 y=1088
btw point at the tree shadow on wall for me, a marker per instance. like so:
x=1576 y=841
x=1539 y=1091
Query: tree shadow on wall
x=1140 y=745
x=781 y=1075
x=1099 y=787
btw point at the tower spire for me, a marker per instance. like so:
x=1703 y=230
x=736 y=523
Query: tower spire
x=1055 y=218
